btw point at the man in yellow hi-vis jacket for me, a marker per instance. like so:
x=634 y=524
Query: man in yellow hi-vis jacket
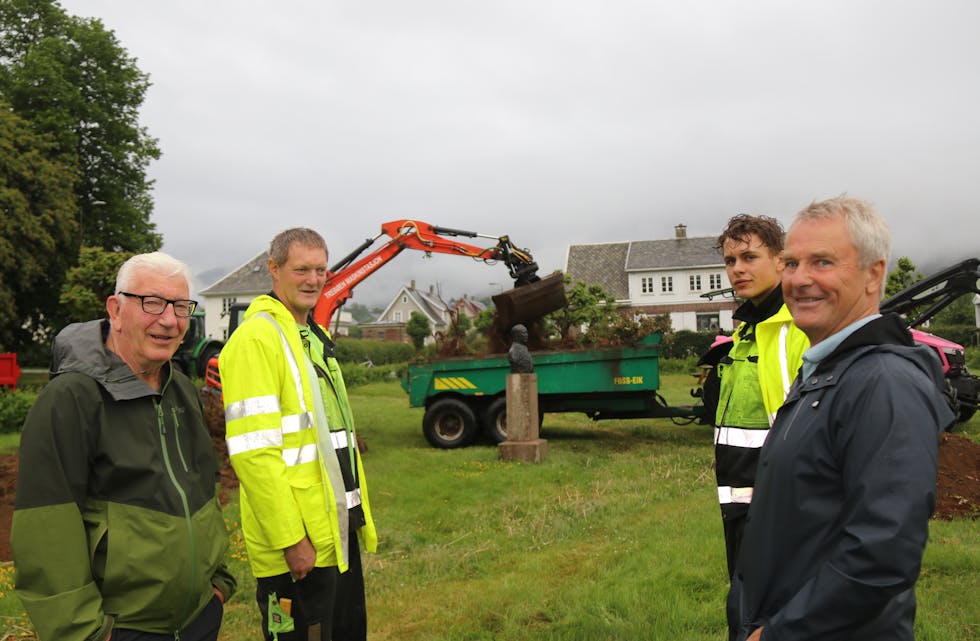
x=290 y=435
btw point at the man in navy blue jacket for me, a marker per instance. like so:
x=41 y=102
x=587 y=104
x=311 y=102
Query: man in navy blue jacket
x=847 y=478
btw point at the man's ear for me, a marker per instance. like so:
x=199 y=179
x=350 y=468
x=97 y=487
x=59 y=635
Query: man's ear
x=876 y=277
x=112 y=307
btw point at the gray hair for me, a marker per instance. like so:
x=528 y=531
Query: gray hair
x=279 y=248
x=869 y=231
x=159 y=262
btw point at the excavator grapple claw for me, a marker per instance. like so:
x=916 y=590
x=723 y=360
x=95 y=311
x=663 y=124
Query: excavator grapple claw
x=527 y=303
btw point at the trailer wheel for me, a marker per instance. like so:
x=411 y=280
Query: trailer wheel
x=449 y=423
x=495 y=420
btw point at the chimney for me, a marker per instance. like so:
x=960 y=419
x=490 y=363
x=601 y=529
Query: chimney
x=412 y=286
x=680 y=231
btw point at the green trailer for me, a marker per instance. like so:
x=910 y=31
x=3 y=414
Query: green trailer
x=465 y=396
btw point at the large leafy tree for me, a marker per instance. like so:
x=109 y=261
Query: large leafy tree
x=418 y=329
x=73 y=81
x=37 y=230
x=73 y=160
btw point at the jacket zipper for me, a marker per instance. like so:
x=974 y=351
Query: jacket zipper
x=183 y=499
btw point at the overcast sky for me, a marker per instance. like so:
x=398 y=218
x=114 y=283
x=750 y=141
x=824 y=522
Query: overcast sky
x=556 y=123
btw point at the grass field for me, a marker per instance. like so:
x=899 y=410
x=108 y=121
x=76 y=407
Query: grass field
x=616 y=535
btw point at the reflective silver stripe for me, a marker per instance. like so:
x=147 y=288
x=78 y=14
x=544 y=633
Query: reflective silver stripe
x=297 y=455
x=728 y=494
x=297 y=422
x=784 y=359
x=254 y=441
x=741 y=437
x=290 y=359
x=339 y=439
x=252 y=407
x=353 y=498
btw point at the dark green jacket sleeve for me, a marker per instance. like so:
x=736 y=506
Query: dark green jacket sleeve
x=50 y=546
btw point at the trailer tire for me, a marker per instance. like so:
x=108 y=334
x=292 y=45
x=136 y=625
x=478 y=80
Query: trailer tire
x=495 y=420
x=449 y=423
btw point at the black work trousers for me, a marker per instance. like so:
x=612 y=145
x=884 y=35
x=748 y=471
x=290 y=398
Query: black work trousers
x=335 y=601
x=204 y=628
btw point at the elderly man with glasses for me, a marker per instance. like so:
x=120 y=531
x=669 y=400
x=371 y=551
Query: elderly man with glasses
x=117 y=530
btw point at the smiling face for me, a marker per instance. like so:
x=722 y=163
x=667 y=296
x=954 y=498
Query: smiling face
x=753 y=269
x=824 y=285
x=146 y=341
x=300 y=279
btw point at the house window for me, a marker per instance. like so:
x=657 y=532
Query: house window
x=646 y=284
x=666 y=284
x=708 y=323
x=398 y=316
x=404 y=299
x=715 y=281
x=695 y=282
x=226 y=304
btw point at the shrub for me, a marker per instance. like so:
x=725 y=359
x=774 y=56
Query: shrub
x=686 y=344
x=356 y=374
x=965 y=335
x=14 y=406
x=359 y=350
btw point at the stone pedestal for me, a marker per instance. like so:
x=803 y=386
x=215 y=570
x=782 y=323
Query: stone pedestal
x=523 y=443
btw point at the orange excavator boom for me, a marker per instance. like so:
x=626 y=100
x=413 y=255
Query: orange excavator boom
x=421 y=236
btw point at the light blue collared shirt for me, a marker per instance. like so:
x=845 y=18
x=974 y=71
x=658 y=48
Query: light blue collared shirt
x=823 y=349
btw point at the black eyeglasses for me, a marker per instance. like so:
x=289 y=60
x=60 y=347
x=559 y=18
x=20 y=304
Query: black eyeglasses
x=156 y=305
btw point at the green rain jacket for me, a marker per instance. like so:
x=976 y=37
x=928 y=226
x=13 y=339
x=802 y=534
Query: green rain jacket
x=117 y=521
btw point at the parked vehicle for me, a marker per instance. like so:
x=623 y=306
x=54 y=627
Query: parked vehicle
x=919 y=303
x=466 y=396
x=197 y=349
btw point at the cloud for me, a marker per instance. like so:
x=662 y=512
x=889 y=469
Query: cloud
x=554 y=123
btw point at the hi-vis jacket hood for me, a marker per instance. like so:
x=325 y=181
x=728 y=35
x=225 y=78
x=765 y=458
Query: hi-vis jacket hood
x=117 y=521
x=81 y=348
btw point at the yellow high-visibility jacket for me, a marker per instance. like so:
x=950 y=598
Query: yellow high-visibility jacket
x=290 y=479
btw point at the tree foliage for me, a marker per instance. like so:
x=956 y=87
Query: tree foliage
x=90 y=282
x=588 y=305
x=71 y=78
x=418 y=328
x=37 y=230
x=902 y=277
x=73 y=159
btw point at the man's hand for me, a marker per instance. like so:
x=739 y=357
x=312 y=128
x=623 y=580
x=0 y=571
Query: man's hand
x=300 y=558
x=755 y=636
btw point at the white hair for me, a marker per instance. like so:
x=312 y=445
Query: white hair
x=159 y=262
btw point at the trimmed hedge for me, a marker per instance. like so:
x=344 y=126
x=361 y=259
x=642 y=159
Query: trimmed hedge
x=360 y=350
x=686 y=344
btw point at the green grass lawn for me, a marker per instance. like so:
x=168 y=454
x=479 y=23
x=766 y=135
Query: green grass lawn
x=616 y=535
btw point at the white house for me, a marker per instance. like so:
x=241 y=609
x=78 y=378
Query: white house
x=390 y=325
x=243 y=285
x=655 y=277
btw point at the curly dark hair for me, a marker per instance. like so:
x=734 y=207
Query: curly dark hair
x=741 y=227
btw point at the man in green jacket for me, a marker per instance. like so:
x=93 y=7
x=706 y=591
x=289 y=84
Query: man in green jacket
x=767 y=350
x=117 y=529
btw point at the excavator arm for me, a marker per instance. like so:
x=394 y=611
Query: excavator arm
x=923 y=300
x=427 y=238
